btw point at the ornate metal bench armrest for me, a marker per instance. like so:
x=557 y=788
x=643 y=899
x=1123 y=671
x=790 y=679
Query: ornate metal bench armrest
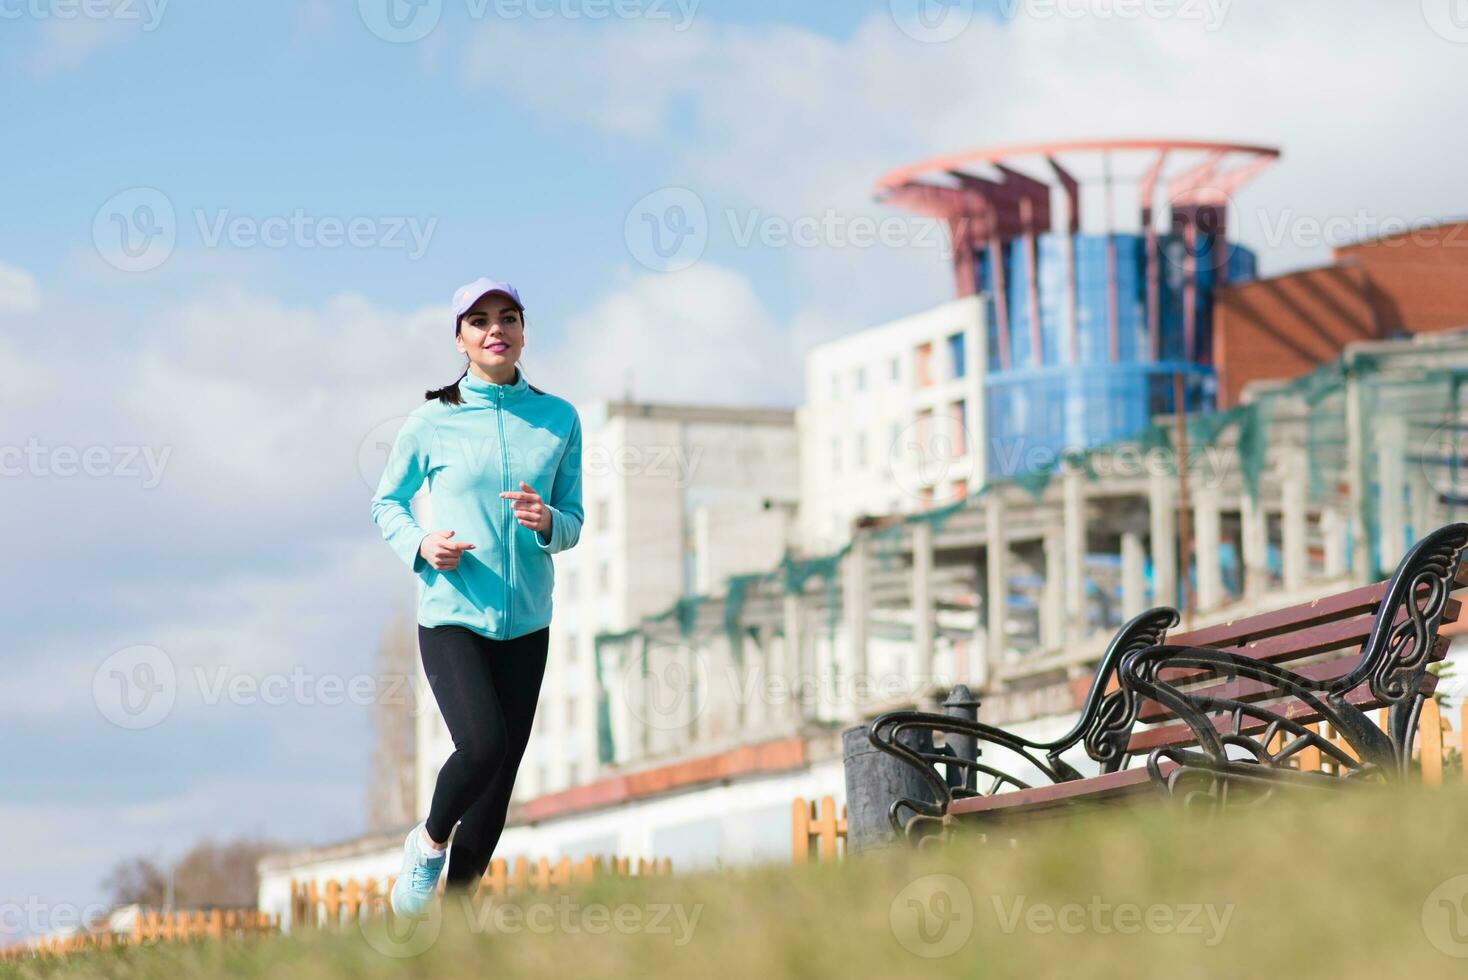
x=1104 y=724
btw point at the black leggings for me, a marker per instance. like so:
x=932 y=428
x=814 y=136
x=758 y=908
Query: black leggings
x=487 y=691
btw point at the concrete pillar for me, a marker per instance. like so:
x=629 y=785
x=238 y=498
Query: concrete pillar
x=1391 y=480
x=792 y=660
x=1162 y=509
x=1052 y=614
x=750 y=688
x=1206 y=534
x=637 y=701
x=996 y=604
x=1333 y=534
x=854 y=598
x=922 y=598
x=1255 y=525
x=1361 y=569
x=1073 y=519
x=1421 y=504
x=1133 y=578
x=1294 y=554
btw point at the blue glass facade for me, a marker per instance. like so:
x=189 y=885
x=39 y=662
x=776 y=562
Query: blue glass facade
x=1041 y=405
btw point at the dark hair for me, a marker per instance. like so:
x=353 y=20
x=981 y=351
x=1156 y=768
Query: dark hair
x=449 y=394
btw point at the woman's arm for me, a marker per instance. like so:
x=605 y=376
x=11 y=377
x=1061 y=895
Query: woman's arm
x=407 y=466
x=564 y=502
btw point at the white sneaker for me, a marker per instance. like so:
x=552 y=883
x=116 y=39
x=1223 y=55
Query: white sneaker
x=417 y=882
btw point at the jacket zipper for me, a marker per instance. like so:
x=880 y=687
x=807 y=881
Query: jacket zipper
x=507 y=543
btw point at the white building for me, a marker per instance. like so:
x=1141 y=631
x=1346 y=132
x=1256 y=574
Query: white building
x=893 y=420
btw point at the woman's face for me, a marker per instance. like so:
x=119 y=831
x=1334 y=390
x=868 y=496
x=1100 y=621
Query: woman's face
x=492 y=333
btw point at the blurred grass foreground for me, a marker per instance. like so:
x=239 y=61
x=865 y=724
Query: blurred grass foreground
x=1368 y=883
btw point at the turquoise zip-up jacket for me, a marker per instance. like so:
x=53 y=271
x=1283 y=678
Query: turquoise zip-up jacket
x=469 y=453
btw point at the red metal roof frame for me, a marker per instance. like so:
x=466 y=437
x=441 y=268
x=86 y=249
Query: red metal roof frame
x=982 y=213
x=995 y=155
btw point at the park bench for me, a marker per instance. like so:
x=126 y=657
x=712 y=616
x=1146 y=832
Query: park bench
x=1226 y=709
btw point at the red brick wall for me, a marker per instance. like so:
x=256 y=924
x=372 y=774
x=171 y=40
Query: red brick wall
x=1419 y=279
x=1414 y=282
x=1284 y=327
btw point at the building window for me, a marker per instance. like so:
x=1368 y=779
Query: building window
x=960 y=489
x=835 y=386
x=956 y=355
x=923 y=365
x=571 y=585
x=836 y=455
x=603 y=514
x=896 y=367
x=924 y=430
x=960 y=432
x=861 y=450
x=925 y=498
x=573 y=774
x=571 y=650
x=604 y=577
x=570 y=712
x=861 y=379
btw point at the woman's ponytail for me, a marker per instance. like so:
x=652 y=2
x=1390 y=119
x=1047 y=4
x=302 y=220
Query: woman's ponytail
x=449 y=394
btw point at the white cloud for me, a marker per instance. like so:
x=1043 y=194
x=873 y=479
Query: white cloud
x=274 y=401
x=69 y=34
x=700 y=335
x=18 y=290
x=1357 y=93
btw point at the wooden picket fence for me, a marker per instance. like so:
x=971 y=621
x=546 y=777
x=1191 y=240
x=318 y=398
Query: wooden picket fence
x=334 y=903
x=817 y=832
x=152 y=927
x=1435 y=739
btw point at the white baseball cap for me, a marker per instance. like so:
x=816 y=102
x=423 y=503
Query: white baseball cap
x=470 y=293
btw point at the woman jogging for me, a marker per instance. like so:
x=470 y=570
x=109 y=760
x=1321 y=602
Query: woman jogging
x=503 y=463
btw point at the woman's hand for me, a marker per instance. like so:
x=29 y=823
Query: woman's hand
x=529 y=509
x=442 y=553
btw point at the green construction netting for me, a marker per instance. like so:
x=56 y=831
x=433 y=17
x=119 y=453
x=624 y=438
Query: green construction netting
x=1425 y=404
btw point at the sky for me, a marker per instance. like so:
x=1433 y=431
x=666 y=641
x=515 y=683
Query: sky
x=231 y=232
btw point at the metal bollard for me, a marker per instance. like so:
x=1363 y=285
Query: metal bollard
x=874 y=780
x=961 y=703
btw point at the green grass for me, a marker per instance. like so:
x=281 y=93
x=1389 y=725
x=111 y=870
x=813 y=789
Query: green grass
x=1333 y=886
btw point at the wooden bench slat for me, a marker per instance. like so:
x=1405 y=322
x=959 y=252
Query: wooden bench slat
x=1342 y=633
x=1112 y=787
x=1327 y=609
x=1180 y=734
x=1251 y=690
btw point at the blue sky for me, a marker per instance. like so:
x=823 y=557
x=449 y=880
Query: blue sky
x=521 y=146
